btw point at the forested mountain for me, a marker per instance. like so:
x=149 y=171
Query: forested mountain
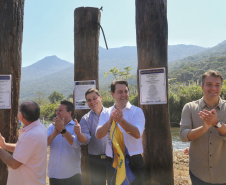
x=180 y=51
x=191 y=68
x=44 y=67
x=62 y=81
x=53 y=74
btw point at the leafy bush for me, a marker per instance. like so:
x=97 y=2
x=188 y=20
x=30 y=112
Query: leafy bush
x=48 y=111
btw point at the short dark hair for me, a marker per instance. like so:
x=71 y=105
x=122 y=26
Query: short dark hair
x=69 y=106
x=91 y=90
x=113 y=84
x=212 y=73
x=30 y=110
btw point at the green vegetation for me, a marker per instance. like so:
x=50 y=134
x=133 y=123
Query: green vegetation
x=119 y=74
x=190 y=69
x=55 y=97
x=184 y=82
x=48 y=111
x=48 y=107
x=108 y=101
x=179 y=94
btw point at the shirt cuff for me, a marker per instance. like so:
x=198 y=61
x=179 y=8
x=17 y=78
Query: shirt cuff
x=75 y=143
x=184 y=135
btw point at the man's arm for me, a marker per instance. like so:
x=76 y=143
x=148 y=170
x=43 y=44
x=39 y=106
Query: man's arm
x=211 y=118
x=69 y=138
x=59 y=125
x=9 y=160
x=103 y=130
x=222 y=129
x=7 y=146
x=187 y=132
x=197 y=132
x=129 y=128
x=52 y=136
x=117 y=115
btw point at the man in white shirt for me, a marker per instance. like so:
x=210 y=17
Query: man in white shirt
x=27 y=165
x=131 y=122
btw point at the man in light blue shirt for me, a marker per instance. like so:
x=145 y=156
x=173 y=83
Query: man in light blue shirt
x=96 y=147
x=65 y=154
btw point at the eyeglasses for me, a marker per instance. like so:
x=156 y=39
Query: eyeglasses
x=92 y=99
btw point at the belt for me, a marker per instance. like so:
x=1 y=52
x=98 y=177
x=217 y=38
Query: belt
x=131 y=157
x=103 y=156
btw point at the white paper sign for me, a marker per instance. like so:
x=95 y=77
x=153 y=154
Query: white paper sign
x=5 y=91
x=80 y=89
x=152 y=86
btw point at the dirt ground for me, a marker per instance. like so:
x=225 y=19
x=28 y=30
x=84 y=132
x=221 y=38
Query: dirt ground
x=180 y=167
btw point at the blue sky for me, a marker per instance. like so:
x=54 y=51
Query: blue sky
x=49 y=25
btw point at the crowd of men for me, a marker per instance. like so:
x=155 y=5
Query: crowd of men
x=202 y=123
x=27 y=165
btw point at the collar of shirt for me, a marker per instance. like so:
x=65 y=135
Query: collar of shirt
x=93 y=112
x=70 y=122
x=128 y=106
x=219 y=105
x=30 y=126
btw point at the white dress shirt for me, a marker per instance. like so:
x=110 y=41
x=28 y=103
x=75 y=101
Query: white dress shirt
x=133 y=115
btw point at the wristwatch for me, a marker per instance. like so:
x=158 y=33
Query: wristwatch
x=63 y=131
x=218 y=125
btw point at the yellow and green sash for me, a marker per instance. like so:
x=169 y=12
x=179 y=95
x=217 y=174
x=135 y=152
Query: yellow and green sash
x=124 y=175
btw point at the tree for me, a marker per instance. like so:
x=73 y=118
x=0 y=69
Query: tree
x=152 y=39
x=120 y=75
x=86 y=55
x=40 y=98
x=70 y=96
x=48 y=111
x=55 y=97
x=11 y=29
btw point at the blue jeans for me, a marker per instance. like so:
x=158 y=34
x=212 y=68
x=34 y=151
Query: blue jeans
x=196 y=181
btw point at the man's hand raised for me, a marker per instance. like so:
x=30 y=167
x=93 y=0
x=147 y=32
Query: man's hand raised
x=77 y=127
x=59 y=123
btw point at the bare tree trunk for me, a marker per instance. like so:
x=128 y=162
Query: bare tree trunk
x=152 y=41
x=86 y=52
x=11 y=29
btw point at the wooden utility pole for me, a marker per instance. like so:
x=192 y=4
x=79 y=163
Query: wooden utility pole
x=11 y=29
x=86 y=64
x=152 y=43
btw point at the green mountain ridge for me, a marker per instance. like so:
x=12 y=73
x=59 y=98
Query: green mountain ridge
x=43 y=67
x=191 y=68
x=47 y=76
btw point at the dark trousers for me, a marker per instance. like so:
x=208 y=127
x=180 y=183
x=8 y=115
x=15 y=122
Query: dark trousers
x=97 y=164
x=136 y=165
x=74 y=180
x=196 y=181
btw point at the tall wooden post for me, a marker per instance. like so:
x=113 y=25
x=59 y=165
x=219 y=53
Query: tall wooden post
x=11 y=29
x=152 y=42
x=86 y=56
